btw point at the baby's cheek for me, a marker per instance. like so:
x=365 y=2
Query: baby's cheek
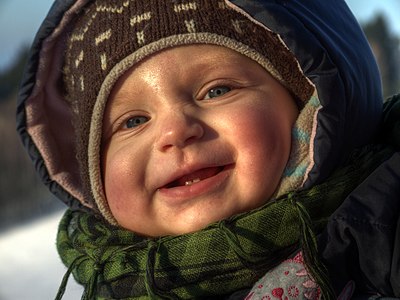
x=115 y=177
x=114 y=193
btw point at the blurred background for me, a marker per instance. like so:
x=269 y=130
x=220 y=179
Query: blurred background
x=29 y=265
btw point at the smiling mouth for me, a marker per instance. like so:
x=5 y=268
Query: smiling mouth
x=195 y=177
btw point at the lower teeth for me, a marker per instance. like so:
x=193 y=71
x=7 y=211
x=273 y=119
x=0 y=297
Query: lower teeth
x=190 y=182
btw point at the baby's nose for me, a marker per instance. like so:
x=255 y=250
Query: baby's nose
x=179 y=129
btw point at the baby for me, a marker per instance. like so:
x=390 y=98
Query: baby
x=187 y=135
x=204 y=145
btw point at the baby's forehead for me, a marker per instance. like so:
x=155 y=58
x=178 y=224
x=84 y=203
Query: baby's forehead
x=186 y=65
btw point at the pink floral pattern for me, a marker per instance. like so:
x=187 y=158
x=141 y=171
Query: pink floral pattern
x=290 y=280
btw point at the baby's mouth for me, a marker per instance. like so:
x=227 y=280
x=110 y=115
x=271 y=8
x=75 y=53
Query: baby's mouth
x=195 y=177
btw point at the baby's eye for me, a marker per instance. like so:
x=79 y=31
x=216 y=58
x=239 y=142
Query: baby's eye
x=217 y=92
x=135 y=121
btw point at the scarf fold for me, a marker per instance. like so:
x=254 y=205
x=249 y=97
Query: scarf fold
x=114 y=263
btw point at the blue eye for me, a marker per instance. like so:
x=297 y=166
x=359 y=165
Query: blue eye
x=217 y=92
x=136 y=121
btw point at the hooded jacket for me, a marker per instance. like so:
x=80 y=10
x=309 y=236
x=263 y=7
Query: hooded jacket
x=361 y=243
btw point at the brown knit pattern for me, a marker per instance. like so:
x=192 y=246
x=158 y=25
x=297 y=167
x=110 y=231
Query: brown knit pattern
x=108 y=31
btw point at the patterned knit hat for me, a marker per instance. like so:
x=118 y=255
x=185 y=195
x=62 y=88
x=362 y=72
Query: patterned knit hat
x=109 y=37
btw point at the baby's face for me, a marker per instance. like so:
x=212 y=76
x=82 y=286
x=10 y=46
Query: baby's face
x=193 y=135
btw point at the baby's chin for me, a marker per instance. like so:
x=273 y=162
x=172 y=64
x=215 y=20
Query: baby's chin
x=199 y=222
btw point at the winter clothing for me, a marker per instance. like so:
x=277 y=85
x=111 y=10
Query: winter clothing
x=226 y=256
x=334 y=136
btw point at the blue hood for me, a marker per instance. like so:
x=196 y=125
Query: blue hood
x=334 y=54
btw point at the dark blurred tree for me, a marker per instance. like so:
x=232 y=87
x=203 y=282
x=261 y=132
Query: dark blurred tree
x=11 y=76
x=22 y=195
x=386 y=47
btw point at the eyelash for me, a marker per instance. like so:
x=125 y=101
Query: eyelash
x=228 y=84
x=217 y=88
x=135 y=123
x=121 y=124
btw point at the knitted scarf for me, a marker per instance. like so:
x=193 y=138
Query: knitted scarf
x=114 y=263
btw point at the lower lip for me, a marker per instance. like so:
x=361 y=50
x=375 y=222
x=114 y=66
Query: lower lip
x=181 y=194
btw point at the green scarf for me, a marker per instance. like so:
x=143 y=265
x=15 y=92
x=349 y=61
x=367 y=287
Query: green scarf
x=113 y=263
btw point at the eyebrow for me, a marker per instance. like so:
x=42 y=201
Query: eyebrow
x=115 y=102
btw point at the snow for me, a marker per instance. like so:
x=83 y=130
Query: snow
x=29 y=264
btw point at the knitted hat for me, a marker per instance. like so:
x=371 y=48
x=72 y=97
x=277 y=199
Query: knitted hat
x=109 y=37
